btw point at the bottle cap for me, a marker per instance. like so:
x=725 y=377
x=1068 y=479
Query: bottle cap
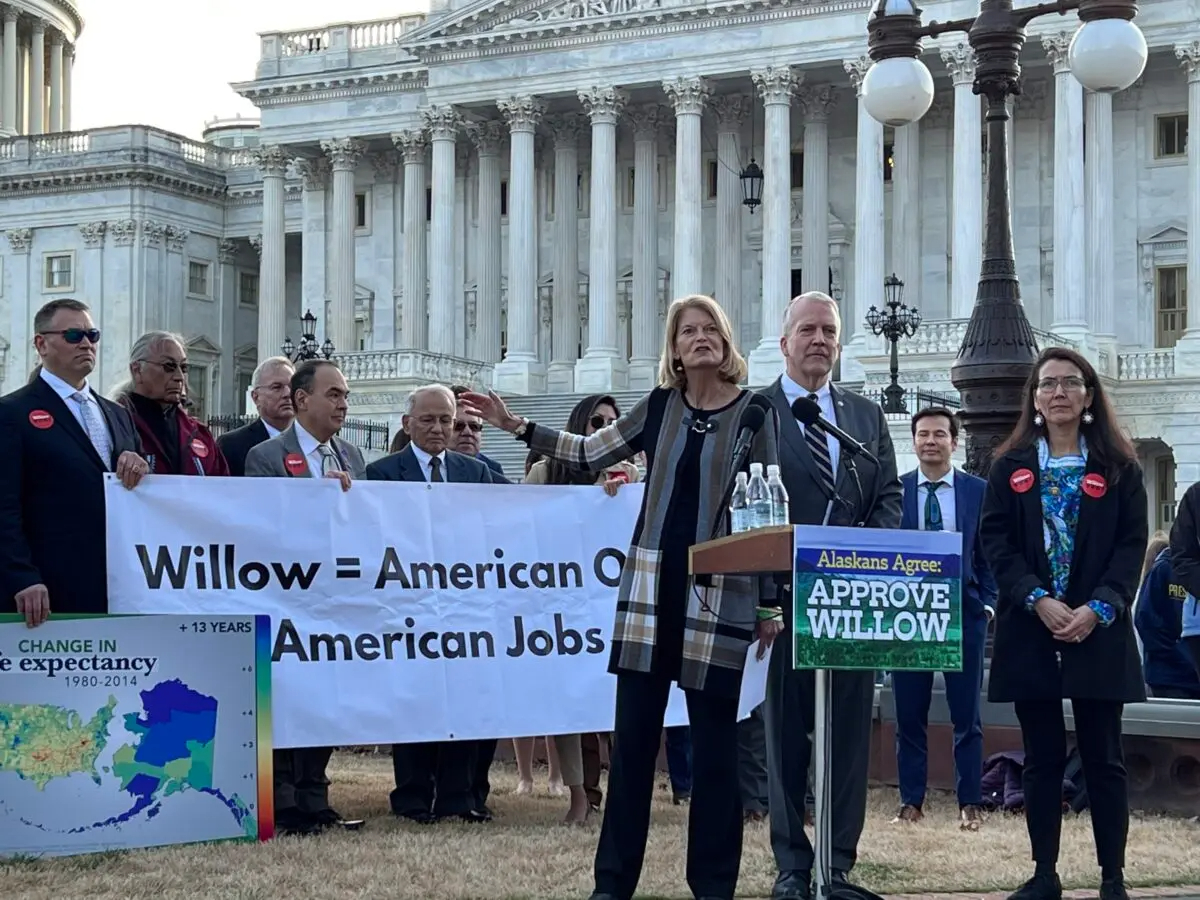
x=773 y=469
x=756 y=468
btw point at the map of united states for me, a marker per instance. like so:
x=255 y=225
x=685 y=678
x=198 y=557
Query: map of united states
x=41 y=743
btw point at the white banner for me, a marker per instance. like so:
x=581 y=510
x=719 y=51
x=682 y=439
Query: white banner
x=400 y=613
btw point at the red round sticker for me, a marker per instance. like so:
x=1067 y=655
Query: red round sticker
x=1021 y=480
x=295 y=464
x=199 y=448
x=618 y=476
x=1095 y=486
x=39 y=418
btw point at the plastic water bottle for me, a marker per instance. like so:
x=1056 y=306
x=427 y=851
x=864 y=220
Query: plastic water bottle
x=779 y=497
x=739 y=512
x=758 y=498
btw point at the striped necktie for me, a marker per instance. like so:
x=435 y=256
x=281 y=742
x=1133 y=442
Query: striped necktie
x=819 y=448
x=329 y=460
x=93 y=424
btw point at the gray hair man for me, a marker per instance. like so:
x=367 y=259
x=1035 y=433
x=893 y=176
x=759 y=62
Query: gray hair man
x=271 y=391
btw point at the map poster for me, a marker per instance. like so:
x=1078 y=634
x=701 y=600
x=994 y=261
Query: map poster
x=877 y=599
x=122 y=732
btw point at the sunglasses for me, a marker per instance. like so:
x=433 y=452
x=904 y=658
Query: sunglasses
x=463 y=426
x=599 y=422
x=170 y=366
x=75 y=335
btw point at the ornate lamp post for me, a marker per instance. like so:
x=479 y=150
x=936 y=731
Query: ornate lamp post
x=1107 y=54
x=308 y=342
x=900 y=321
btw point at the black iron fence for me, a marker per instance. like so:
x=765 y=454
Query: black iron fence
x=363 y=434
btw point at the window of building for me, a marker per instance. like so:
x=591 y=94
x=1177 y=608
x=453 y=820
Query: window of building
x=360 y=210
x=504 y=197
x=1171 y=304
x=798 y=171
x=242 y=387
x=1170 y=136
x=428 y=204
x=59 y=272
x=1164 y=481
x=248 y=289
x=197 y=390
x=712 y=179
x=889 y=161
x=198 y=278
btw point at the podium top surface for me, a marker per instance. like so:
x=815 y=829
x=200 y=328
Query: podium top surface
x=761 y=551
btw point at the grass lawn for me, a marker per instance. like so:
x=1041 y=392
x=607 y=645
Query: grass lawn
x=526 y=853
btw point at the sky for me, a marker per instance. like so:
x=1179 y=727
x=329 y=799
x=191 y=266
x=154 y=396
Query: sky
x=138 y=65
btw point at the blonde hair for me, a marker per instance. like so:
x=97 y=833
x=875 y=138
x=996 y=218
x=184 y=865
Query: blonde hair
x=1159 y=541
x=733 y=366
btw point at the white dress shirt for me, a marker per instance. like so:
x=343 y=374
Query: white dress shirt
x=65 y=391
x=310 y=448
x=423 y=458
x=272 y=431
x=792 y=392
x=945 y=495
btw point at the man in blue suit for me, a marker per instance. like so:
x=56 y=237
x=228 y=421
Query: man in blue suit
x=937 y=497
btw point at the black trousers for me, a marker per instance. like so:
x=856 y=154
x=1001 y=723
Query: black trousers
x=301 y=785
x=714 y=849
x=1098 y=737
x=481 y=785
x=752 y=762
x=433 y=778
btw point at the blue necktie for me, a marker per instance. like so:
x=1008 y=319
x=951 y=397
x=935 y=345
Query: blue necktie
x=933 y=508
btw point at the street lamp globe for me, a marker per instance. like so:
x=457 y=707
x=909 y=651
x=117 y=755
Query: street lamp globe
x=897 y=91
x=1107 y=55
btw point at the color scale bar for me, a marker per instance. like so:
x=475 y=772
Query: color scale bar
x=262 y=690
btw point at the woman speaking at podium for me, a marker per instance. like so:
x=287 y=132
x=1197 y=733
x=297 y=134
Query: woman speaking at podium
x=667 y=628
x=1064 y=529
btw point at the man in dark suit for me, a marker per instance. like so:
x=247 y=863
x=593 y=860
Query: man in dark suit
x=937 y=497
x=468 y=431
x=57 y=439
x=434 y=780
x=822 y=489
x=272 y=396
x=310 y=448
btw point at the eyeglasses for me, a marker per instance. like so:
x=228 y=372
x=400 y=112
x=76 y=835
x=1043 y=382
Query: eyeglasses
x=1071 y=384
x=599 y=422
x=170 y=366
x=463 y=426
x=75 y=335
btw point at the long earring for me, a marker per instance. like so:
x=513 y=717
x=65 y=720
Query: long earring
x=1038 y=420
x=1088 y=418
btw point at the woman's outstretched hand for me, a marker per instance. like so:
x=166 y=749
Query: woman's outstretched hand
x=490 y=408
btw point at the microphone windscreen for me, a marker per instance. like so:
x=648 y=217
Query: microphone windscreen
x=753 y=418
x=806 y=411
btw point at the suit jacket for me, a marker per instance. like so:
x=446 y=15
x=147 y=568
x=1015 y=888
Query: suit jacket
x=878 y=503
x=1110 y=541
x=267 y=460
x=498 y=476
x=404 y=466
x=979 y=587
x=236 y=444
x=52 y=522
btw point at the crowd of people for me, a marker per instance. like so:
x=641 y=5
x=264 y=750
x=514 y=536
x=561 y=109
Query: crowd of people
x=1054 y=547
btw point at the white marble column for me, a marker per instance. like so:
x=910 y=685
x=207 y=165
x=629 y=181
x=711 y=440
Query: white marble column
x=906 y=217
x=383 y=260
x=522 y=372
x=273 y=162
x=414 y=318
x=68 y=69
x=37 y=78
x=688 y=96
x=603 y=367
x=731 y=110
x=967 y=198
x=10 y=70
x=1188 y=55
x=567 y=129
x=1098 y=170
x=776 y=85
x=488 y=138
x=1070 y=309
x=868 y=227
x=817 y=102
x=443 y=124
x=314 y=179
x=56 y=83
x=643 y=362
x=344 y=154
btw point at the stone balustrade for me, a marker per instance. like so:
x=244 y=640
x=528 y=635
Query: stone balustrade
x=80 y=149
x=1146 y=365
x=333 y=46
x=412 y=367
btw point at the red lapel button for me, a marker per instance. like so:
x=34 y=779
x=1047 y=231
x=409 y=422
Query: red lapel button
x=295 y=464
x=1095 y=486
x=199 y=448
x=1021 y=480
x=41 y=419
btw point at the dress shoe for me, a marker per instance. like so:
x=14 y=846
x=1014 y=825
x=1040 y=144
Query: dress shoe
x=839 y=876
x=330 y=818
x=681 y=798
x=419 y=817
x=1040 y=887
x=795 y=885
x=471 y=817
x=970 y=817
x=1113 y=889
x=603 y=897
x=908 y=814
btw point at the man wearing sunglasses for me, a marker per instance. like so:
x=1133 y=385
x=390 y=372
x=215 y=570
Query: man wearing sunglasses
x=468 y=432
x=58 y=437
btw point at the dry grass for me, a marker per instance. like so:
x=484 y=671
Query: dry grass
x=525 y=853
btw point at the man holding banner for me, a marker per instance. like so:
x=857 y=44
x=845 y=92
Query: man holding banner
x=826 y=486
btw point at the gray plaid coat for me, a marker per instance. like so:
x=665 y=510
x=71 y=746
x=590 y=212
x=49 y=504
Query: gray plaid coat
x=718 y=631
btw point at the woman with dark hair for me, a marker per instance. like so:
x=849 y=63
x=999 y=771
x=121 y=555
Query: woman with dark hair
x=1064 y=527
x=589 y=415
x=669 y=627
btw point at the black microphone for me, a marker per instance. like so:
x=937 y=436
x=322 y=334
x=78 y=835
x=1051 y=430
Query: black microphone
x=808 y=412
x=753 y=418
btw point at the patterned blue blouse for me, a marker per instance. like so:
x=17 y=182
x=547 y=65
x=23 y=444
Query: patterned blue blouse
x=1061 y=481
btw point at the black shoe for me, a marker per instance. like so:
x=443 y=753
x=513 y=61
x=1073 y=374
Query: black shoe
x=1113 y=889
x=471 y=817
x=420 y=818
x=679 y=798
x=1039 y=887
x=330 y=818
x=293 y=823
x=603 y=897
x=793 y=886
x=839 y=876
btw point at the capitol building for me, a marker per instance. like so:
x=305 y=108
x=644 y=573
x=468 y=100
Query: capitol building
x=510 y=192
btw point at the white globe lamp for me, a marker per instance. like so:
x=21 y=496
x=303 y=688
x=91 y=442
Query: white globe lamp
x=897 y=91
x=1107 y=55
